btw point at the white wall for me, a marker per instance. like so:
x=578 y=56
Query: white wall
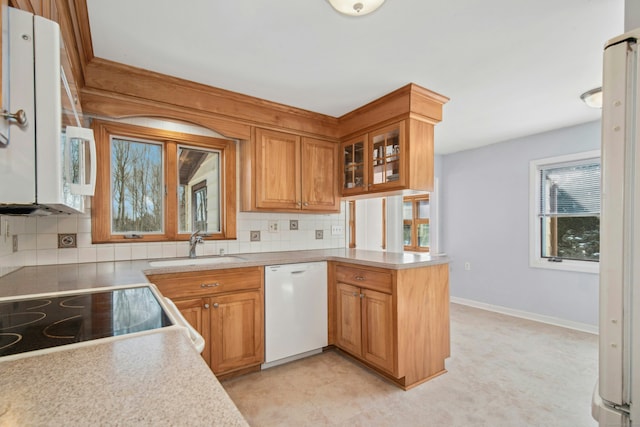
x=369 y=224
x=485 y=221
x=631 y=15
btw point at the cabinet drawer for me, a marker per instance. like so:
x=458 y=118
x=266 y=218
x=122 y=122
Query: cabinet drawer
x=200 y=283
x=376 y=280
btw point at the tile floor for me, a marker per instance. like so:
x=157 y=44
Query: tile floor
x=503 y=371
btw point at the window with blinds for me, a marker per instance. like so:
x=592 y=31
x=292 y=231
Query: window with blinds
x=569 y=210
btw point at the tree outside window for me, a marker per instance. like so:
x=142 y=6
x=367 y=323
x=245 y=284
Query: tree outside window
x=159 y=185
x=136 y=186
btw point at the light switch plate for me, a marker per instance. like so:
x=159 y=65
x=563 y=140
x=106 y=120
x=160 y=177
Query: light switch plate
x=337 y=230
x=273 y=226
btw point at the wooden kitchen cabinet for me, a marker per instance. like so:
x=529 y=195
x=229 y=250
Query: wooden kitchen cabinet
x=195 y=312
x=226 y=307
x=388 y=160
x=394 y=321
x=349 y=318
x=364 y=324
x=236 y=331
x=283 y=172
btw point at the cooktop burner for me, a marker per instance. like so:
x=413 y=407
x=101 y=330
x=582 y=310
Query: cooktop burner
x=51 y=321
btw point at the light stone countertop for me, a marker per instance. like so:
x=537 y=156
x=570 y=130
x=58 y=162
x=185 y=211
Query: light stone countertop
x=154 y=379
x=65 y=277
x=394 y=261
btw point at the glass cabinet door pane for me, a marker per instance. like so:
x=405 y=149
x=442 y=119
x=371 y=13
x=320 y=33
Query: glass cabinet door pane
x=354 y=165
x=385 y=157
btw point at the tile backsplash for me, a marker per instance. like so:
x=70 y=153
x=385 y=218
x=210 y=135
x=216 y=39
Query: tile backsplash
x=38 y=239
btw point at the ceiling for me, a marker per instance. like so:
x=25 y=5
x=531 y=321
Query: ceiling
x=510 y=67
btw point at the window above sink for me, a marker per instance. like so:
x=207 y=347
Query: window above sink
x=160 y=185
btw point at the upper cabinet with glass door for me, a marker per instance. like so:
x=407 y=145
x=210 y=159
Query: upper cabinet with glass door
x=387 y=150
x=374 y=162
x=387 y=144
x=355 y=172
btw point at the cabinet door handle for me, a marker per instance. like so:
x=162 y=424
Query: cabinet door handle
x=361 y=278
x=210 y=285
x=361 y=296
x=206 y=306
x=19 y=116
x=299 y=203
x=216 y=305
x=355 y=294
x=306 y=204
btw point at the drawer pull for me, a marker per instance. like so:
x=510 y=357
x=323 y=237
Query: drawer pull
x=210 y=285
x=206 y=306
x=216 y=305
x=361 y=278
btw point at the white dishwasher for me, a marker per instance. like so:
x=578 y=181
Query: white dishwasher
x=295 y=300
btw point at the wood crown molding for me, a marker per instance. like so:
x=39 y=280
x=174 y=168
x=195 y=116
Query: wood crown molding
x=109 y=76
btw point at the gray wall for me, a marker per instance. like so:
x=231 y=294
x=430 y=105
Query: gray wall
x=631 y=15
x=485 y=221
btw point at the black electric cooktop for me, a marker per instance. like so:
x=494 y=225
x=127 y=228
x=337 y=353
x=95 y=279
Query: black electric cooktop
x=28 y=324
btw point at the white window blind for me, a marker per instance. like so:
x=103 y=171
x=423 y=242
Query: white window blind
x=570 y=190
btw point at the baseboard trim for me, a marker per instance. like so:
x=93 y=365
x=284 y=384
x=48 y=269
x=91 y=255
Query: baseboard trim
x=583 y=327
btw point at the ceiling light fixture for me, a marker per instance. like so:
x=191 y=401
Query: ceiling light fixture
x=593 y=97
x=355 y=7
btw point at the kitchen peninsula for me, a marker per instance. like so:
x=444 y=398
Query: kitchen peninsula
x=141 y=376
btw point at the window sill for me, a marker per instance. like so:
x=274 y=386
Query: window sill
x=566 y=265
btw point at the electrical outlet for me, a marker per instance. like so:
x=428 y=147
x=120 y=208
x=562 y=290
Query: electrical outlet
x=15 y=243
x=273 y=226
x=319 y=234
x=293 y=224
x=467 y=266
x=337 y=230
x=66 y=241
x=254 y=236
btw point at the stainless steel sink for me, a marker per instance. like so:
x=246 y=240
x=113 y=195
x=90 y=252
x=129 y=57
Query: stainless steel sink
x=186 y=262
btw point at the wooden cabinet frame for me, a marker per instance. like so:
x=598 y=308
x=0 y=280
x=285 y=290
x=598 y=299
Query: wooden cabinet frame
x=226 y=307
x=284 y=172
x=403 y=316
x=414 y=160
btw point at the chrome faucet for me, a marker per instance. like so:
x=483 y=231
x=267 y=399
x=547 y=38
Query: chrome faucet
x=194 y=239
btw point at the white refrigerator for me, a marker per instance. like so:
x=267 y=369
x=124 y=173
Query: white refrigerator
x=616 y=399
